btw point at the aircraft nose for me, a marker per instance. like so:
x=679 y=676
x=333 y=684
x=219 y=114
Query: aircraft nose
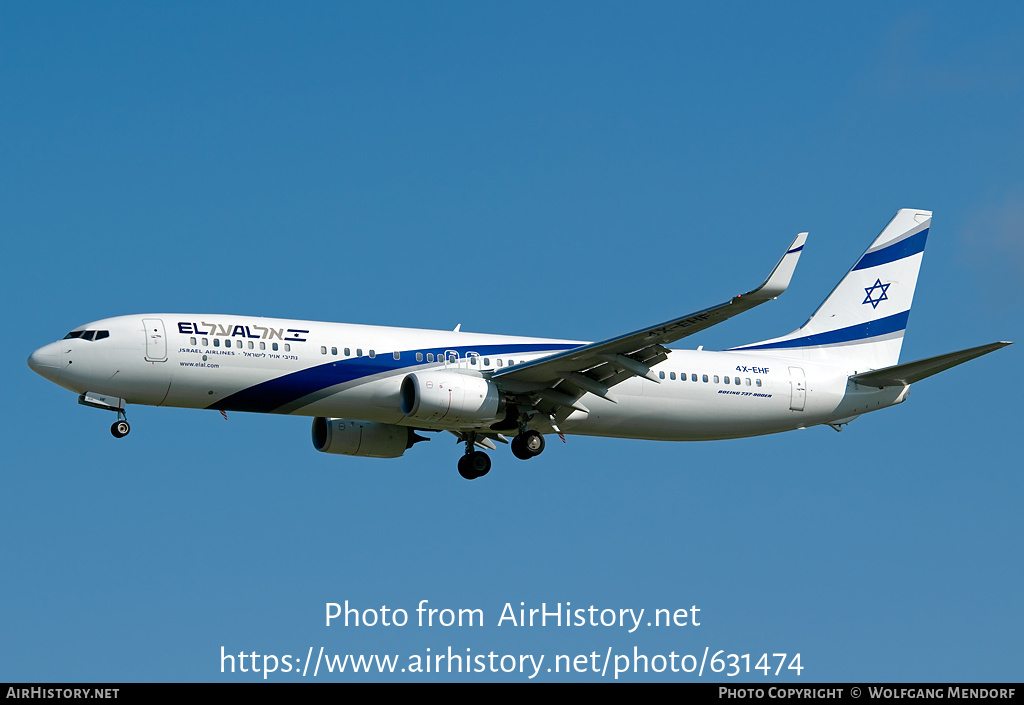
x=46 y=361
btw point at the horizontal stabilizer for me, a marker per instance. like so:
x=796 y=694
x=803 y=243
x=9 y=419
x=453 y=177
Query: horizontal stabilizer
x=910 y=372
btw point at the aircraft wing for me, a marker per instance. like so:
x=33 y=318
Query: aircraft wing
x=559 y=380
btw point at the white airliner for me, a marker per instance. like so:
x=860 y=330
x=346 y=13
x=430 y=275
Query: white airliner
x=371 y=388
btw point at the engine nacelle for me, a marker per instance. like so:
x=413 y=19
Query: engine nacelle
x=451 y=397
x=367 y=439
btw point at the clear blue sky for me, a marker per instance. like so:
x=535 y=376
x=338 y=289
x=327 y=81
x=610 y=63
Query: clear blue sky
x=571 y=170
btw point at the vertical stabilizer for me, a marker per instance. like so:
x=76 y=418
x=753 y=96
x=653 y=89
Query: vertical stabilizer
x=861 y=323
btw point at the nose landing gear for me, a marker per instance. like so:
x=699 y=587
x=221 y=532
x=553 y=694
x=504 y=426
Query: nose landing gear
x=120 y=428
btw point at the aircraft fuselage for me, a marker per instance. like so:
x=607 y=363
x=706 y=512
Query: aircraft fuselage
x=306 y=368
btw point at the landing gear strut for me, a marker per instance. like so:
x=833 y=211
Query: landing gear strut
x=528 y=444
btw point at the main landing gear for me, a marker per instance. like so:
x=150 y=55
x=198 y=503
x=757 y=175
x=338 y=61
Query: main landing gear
x=527 y=445
x=120 y=428
x=476 y=463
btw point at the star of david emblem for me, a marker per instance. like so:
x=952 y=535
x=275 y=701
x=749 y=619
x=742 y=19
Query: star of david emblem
x=876 y=293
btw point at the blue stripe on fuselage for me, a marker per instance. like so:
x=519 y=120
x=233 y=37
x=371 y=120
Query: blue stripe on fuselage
x=268 y=396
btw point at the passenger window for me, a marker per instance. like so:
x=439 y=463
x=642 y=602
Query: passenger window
x=472 y=359
x=705 y=378
x=216 y=342
x=758 y=382
x=671 y=375
x=430 y=357
x=287 y=347
x=373 y=354
x=273 y=346
x=359 y=352
x=487 y=362
x=348 y=353
x=716 y=379
x=238 y=343
x=323 y=349
x=263 y=346
x=206 y=342
x=736 y=381
x=419 y=357
x=661 y=375
x=191 y=341
x=397 y=355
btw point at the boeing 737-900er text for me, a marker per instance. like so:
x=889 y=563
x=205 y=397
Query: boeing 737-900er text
x=371 y=390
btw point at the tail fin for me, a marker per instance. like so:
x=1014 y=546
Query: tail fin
x=862 y=321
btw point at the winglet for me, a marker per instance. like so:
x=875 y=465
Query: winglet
x=780 y=277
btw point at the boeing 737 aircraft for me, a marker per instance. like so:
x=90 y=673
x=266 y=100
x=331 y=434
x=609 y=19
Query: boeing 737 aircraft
x=371 y=389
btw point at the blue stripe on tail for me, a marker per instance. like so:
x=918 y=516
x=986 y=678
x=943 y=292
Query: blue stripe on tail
x=904 y=248
x=871 y=329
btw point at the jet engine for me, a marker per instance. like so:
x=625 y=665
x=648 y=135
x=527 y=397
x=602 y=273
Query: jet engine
x=451 y=397
x=367 y=439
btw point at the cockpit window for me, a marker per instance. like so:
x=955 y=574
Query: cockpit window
x=88 y=334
